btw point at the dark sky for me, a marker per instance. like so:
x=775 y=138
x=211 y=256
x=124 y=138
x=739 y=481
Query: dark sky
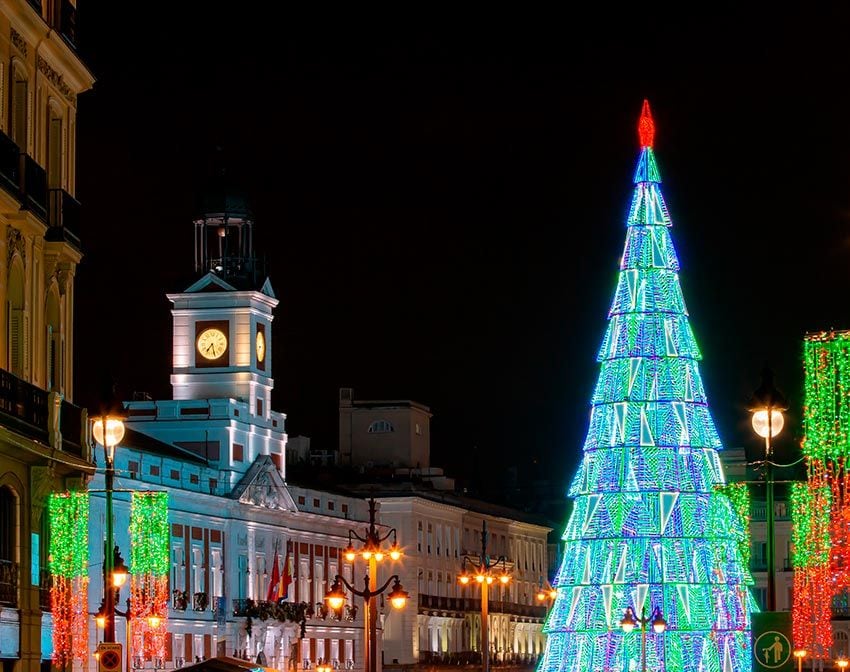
x=442 y=201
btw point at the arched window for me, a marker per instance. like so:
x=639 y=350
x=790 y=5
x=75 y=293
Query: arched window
x=53 y=342
x=15 y=319
x=19 y=110
x=381 y=427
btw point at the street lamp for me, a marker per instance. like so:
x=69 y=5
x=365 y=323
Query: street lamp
x=108 y=430
x=546 y=592
x=766 y=406
x=484 y=573
x=373 y=552
x=629 y=621
x=842 y=664
x=398 y=598
x=799 y=654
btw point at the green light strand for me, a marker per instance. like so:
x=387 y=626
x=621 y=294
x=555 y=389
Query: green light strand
x=69 y=534
x=739 y=497
x=826 y=413
x=810 y=524
x=149 y=534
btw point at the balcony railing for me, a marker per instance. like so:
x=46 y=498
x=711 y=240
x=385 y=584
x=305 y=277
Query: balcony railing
x=9 y=163
x=467 y=604
x=758 y=565
x=199 y=602
x=8 y=583
x=781 y=511
x=33 y=186
x=63 y=217
x=68 y=22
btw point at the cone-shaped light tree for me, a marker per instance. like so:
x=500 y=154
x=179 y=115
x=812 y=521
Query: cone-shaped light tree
x=652 y=527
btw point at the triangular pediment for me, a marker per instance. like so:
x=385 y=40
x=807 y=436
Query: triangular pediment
x=262 y=485
x=267 y=288
x=210 y=283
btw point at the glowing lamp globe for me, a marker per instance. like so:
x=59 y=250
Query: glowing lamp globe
x=350 y=553
x=541 y=596
x=119 y=577
x=367 y=554
x=760 y=425
x=379 y=555
x=658 y=622
x=800 y=653
x=489 y=580
x=464 y=579
x=842 y=663
x=114 y=431
x=100 y=619
x=505 y=579
x=154 y=621
x=336 y=597
x=479 y=578
x=553 y=593
x=395 y=552
x=398 y=596
x=628 y=621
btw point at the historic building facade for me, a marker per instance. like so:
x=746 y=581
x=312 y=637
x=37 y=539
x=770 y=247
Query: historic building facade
x=43 y=447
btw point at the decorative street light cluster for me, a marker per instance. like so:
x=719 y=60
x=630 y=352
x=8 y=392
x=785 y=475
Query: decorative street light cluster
x=373 y=552
x=630 y=621
x=485 y=571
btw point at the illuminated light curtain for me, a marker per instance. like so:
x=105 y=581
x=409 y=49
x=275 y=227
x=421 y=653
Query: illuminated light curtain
x=813 y=590
x=149 y=564
x=821 y=517
x=649 y=527
x=69 y=560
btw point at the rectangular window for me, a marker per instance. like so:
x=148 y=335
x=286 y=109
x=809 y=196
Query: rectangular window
x=345 y=508
x=154 y=470
x=302 y=500
x=237 y=452
x=175 y=475
x=213 y=485
x=194 y=479
x=217 y=573
x=331 y=506
x=259 y=408
x=317 y=504
x=133 y=468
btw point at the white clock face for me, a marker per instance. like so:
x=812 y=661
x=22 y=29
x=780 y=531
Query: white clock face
x=212 y=343
x=261 y=346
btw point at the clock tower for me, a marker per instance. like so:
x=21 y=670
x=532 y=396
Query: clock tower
x=222 y=322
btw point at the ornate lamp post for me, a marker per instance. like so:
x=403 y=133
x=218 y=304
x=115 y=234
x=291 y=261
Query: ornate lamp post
x=766 y=406
x=373 y=552
x=629 y=621
x=484 y=573
x=108 y=430
x=398 y=598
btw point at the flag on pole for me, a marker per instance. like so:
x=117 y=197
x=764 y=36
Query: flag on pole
x=286 y=579
x=275 y=580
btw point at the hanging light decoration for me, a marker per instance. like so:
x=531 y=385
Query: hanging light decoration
x=69 y=559
x=149 y=572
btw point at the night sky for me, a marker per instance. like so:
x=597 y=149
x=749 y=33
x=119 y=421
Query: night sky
x=441 y=203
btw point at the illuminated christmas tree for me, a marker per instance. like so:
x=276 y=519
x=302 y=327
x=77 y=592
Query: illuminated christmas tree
x=652 y=526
